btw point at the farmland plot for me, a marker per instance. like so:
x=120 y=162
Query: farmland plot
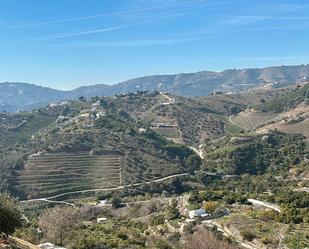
x=253 y=120
x=52 y=174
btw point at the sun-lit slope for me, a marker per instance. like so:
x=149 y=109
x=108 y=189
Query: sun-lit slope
x=255 y=154
x=250 y=120
x=292 y=103
x=291 y=126
x=51 y=174
x=184 y=120
x=291 y=99
x=111 y=152
x=193 y=121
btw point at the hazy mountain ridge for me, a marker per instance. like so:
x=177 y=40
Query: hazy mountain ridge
x=21 y=96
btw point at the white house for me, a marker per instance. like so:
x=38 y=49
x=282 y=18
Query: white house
x=101 y=220
x=197 y=213
x=103 y=202
x=49 y=246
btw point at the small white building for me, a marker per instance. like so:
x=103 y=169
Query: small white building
x=101 y=220
x=142 y=130
x=197 y=213
x=103 y=202
x=49 y=246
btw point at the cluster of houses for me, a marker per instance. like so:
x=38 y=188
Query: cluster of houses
x=86 y=116
x=96 y=111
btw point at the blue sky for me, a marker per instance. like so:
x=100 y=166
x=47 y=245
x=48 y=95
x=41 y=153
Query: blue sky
x=68 y=43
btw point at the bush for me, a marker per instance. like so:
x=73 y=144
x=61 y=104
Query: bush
x=116 y=202
x=248 y=235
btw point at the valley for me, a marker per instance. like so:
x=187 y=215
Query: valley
x=153 y=158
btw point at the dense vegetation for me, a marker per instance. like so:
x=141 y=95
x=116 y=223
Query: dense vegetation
x=256 y=155
x=10 y=214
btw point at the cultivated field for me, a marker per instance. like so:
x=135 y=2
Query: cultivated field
x=253 y=120
x=51 y=174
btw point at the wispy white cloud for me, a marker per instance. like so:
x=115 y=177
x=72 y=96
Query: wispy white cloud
x=102 y=30
x=270 y=12
x=140 y=43
x=240 y=20
x=244 y=19
x=170 y=4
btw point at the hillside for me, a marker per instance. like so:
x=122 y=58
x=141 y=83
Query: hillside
x=287 y=112
x=49 y=154
x=156 y=157
x=274 y=152
x=123 y=138
x=21 y=96
x=191 y=121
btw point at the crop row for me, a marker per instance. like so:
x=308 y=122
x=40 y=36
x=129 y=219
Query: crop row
x=55 y=174
x=253 y=120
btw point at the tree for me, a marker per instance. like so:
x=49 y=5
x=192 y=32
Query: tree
x=58 y=223
x=211 y=206
x=82 y=99
x=116 y=202
x=10 y=215
x=172 y=209
x=193 y=163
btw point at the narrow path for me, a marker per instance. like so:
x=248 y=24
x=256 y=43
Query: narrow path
x=48 y=199
x=231 y=121
x=198 y=152
x=170 y=100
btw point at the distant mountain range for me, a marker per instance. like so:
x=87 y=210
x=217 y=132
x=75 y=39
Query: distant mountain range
x=22 y=96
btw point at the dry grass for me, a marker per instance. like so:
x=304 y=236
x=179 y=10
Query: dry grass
x=204 y=239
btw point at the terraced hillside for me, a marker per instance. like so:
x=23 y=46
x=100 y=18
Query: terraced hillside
x=66 y=158
x=51 y=174
x=195 y=120
x=250 y=120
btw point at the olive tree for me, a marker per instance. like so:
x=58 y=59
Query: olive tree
x=10 y=214
x=58 y=223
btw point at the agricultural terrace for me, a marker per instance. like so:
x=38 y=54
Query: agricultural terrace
x=51 y=174
x=253 y=120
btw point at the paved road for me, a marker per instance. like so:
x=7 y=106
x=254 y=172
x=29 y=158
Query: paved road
x=49 y=199
x=265 y=204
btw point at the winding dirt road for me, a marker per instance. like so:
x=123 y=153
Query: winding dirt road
x=50 y=199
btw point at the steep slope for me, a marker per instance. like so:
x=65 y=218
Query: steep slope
x=275 y=152
x=288 y=113
x=80 y=152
